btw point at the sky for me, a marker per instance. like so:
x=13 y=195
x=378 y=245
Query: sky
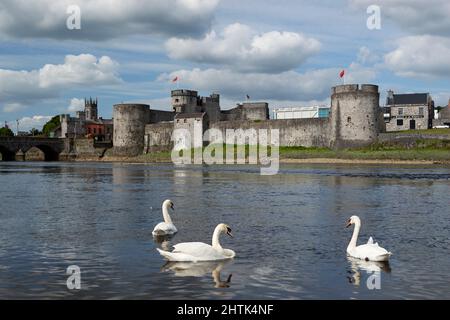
x=285 y=52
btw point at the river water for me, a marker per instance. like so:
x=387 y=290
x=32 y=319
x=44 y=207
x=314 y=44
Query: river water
x=289 y=234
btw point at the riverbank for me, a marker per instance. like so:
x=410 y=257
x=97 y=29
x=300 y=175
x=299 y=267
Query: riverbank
x=396 y=148
x=423 y=153
x=139 y=160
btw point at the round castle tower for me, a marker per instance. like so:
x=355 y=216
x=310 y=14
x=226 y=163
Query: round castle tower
x=129 y=128
x=355 y=115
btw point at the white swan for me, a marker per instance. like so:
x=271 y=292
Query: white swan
x=167 y=227
x=368 y=252
x=199 y=251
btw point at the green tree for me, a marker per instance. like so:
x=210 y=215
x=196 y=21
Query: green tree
x=35 y=132
x=50 y=125
x=6 y=132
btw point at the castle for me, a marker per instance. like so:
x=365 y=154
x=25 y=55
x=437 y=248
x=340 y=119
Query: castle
x=355 y=120
x=85 y=123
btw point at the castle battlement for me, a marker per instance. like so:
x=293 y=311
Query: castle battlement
x=354 y=88
x=184 y=93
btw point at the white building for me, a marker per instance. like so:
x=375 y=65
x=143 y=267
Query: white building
x=301 y=112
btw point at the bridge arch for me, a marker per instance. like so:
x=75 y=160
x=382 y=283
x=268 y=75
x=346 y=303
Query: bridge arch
x=51 y=147
x=50 y=154
x=7 y=155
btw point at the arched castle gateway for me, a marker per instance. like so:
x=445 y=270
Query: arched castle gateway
x=354 y=121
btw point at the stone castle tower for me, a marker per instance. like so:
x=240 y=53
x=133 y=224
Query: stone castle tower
x=90 y=109
x=355 y=115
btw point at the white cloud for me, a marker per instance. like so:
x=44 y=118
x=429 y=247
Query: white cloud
x=79 y=70
x=366 y=56
x=105 y=19
x=76 y=105
x=13 y=107
x=240 y=48
x=25 y=87
x=37 y=121
x=420 y=56
x=289 y=85
x=415 y=16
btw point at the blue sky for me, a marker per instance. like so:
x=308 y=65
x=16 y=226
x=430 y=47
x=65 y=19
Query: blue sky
x=288 y=53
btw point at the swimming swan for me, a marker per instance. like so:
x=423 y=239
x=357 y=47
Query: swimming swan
x=199 y=251
x=167 y=227
x=368 y=252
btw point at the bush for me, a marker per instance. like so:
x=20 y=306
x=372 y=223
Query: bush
x=6 y=132
x=51 y=125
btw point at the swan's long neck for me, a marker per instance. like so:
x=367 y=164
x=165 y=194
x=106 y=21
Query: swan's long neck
x=354 y=238
x=215 y=238
x=166 y=215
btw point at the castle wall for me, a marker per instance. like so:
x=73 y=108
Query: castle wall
x=85 y=149
x=293 y=132
x=161 y=116
x=212 y=108
x=255 y=111
x=232 y=114
x=196 y=124
x=158 y=137
x=247 y=111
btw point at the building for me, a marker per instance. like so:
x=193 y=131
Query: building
x=442 y=117
x=301 y=112
x=194 y=123
x=100 y=130
x=70 y=127
x=354 y=120
x=413 y=111
x=85 y=124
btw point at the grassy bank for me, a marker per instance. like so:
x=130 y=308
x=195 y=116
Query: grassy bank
x=425 y=132
x=422 y=150
x=431 y=150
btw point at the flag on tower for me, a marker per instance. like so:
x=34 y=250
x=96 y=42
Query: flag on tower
x=342 y=74
x=175 y=79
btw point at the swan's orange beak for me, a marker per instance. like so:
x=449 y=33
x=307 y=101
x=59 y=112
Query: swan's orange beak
x=349 y=223
x=171 y=206
x=229 y=232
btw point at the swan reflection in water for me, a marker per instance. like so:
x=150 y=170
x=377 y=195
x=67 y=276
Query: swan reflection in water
x=370 y=267
x=199 y=269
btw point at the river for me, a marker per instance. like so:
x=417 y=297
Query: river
x=289 y=234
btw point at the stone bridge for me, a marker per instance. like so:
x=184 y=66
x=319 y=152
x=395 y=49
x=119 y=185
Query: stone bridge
x=53 y=148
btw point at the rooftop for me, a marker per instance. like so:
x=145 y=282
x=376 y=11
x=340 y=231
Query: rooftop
x=190 y=115
x=409 y=98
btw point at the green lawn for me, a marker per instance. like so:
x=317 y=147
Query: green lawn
x=426 y=149
x=427 y=132
x=436 y=150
